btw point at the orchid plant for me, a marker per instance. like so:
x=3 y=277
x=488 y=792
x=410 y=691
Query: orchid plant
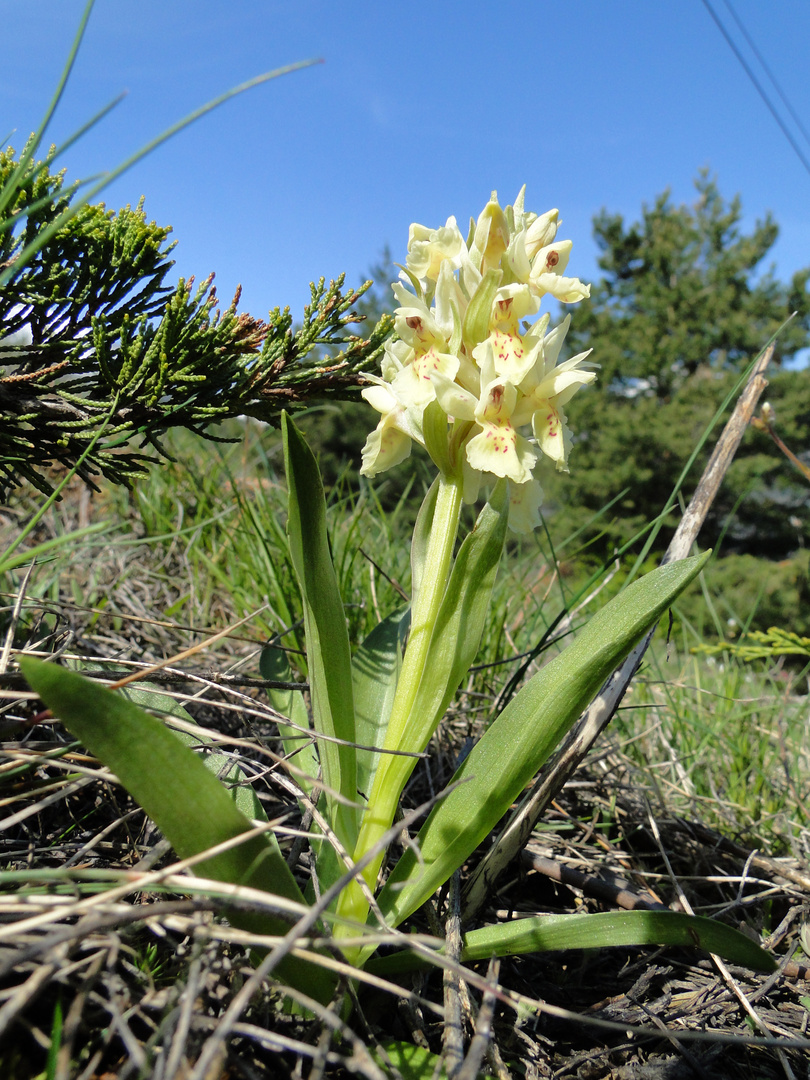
x=462 y=379
x=479 y=386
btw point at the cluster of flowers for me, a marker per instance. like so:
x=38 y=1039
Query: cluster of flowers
x=463 y=377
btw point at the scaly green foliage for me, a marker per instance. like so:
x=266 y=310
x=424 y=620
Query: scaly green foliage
x=91 y=331
x=759 y=645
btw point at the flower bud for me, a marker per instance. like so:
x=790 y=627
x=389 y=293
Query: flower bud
x=491 y=235
x=541 y=232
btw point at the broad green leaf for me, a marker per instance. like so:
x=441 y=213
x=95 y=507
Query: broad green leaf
x=299 y=748
x=550 y=933
x=327 y=637
x=521 y=739
x=375 y=669
x=301 y=752
x=187 y=803
x=223 y=766
x=411 y=1062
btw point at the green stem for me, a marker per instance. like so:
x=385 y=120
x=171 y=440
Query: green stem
x=405 y=731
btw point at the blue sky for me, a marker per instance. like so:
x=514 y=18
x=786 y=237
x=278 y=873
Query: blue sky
x=410 y=117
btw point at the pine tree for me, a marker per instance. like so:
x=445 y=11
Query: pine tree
x=679 y=312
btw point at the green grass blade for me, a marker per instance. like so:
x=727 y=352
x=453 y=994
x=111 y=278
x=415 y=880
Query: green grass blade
x=10 y=561
x=328 y=653
x=10 y=189
x=88 y=125
x=57 y=1030
x=6 y=561
x=44 y=235
x=525 y=734
x=185 y=800
x=550 y=933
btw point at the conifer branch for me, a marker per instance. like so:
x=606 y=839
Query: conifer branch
x=90 y=319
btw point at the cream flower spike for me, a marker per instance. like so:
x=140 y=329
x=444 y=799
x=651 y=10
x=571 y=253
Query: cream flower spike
x=467 y=369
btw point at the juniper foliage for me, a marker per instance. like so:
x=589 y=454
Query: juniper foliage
x=100 y=357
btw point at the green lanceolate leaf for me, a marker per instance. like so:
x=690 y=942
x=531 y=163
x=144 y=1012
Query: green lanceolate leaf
x=434 y=432
x=411 y=1062
x=327 y=637
x=298 y=746
x=375 y=669
x=185 y=800
x=302 y=756
x=224 y=766
x=521 y=739
x=548 y=933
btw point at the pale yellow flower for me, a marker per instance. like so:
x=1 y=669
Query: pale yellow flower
x=546 y=389
x=491 y=237
x=499 y=448
x=418 y=327
x=547 y=274
x=390 y=442
x=525 y=501
x=429 y=248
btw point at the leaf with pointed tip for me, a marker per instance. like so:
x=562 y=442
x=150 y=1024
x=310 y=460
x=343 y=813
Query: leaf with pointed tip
x=299 y=748
x=225 y=767
x=375 y=670
x=608 y=929
x=327 y=637
x=185 y=800
x=525 y=734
